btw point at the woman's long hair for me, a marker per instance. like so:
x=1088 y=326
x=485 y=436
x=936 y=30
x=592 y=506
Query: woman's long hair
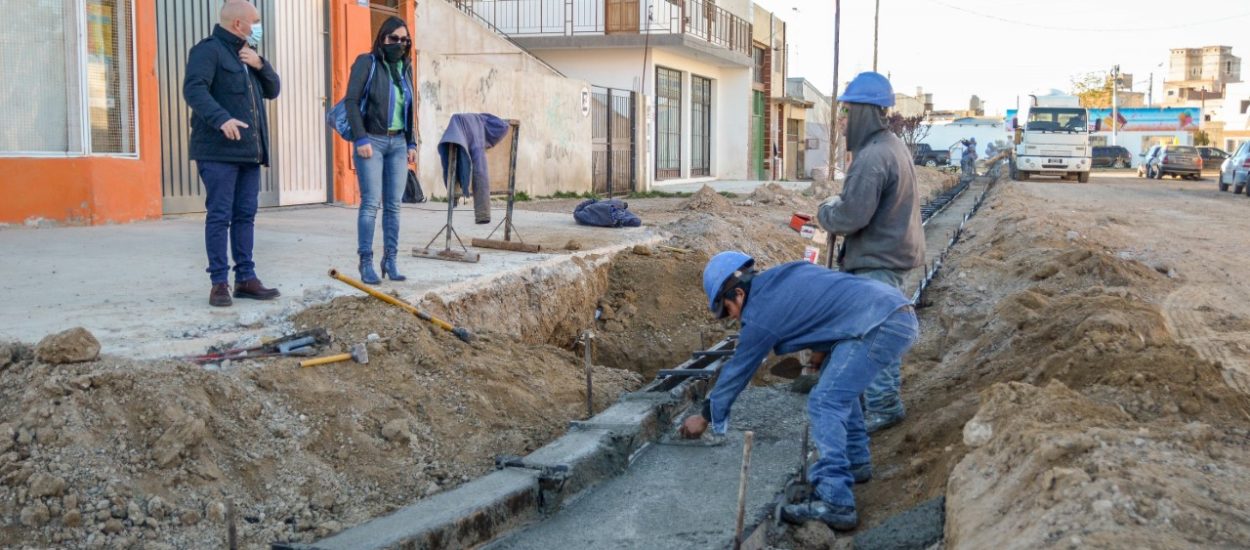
x=387 y=28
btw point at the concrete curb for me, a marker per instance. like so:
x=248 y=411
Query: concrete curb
x=525 y=489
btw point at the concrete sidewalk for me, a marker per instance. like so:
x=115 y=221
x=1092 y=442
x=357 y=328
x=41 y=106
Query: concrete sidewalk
x=142 y=288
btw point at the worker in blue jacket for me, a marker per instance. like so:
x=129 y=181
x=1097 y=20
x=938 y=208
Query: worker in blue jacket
x=856 y=325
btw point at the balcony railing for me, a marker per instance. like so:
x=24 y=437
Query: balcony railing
x=696 y=18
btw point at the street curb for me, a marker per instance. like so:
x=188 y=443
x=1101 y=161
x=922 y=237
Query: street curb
x=525 y=489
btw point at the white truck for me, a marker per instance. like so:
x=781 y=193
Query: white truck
x=1052 y=138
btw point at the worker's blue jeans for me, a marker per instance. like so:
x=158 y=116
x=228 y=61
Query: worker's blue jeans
x=382 y=178
x=231 y=197
x=833 y=406
x=882 y=396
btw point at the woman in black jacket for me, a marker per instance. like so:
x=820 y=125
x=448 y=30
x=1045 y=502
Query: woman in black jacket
x=384 y=140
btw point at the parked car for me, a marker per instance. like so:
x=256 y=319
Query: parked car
x=1212 y=157
x=923 y=155
x=1171 y=160
x=1235 y=170
x=1112 y=156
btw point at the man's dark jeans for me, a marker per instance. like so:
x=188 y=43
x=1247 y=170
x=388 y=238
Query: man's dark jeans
x=233 y=191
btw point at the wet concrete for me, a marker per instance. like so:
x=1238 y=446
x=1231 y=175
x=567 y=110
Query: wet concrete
x=683 y=497
x=916 y=529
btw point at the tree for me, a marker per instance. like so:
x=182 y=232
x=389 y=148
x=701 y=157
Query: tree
x=1202 y=138
x=1094 y=89
x=911 y=129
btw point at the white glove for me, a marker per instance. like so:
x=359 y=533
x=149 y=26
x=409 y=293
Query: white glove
x=832 y=202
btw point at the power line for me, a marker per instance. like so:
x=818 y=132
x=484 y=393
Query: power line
x=1087 y=29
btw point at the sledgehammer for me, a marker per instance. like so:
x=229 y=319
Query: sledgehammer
x=359 y=354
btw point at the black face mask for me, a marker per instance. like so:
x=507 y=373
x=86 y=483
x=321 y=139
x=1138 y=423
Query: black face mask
x=394 y=52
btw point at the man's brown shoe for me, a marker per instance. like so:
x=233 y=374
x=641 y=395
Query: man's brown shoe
x=252 y=288
x=219 y=296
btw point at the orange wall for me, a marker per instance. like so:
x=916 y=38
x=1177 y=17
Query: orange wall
x=96 y=190
x=351 y=35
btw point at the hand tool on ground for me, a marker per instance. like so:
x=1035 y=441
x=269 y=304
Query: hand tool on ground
x=359 y=353
x=508 y=228
x=267 y=346
x=742 y=488
x=453 y=187
x=462 y=333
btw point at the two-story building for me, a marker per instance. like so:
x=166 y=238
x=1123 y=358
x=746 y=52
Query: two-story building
x=688 y=60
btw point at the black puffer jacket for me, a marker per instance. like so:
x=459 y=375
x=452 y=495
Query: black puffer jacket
x=380 y=100
x=219 y=87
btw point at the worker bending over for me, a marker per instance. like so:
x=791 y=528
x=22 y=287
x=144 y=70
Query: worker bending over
x=862 y=325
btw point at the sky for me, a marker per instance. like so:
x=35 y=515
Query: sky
x=1003 y=49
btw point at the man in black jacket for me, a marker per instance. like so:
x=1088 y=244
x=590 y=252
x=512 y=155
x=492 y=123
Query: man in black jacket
x=226 y=85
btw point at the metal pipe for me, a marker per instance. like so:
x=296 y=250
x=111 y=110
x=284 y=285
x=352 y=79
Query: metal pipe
x=588 y=338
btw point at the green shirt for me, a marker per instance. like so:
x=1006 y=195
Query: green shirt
x=397 y=119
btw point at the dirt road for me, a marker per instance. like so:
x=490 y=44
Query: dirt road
x=1190 y=231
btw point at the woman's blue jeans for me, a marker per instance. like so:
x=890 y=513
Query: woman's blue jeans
x=382 y=178
x=833 y=406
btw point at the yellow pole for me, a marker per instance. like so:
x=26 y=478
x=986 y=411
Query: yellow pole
x=392 y=300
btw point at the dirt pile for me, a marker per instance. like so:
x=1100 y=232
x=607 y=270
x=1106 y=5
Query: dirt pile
x=75 y=345
x=706 y=199
x=119 y=453
x=774 y=194
x=931 y=182
x=1050 y=392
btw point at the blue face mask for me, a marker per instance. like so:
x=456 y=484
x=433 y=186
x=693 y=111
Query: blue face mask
x=257 y=34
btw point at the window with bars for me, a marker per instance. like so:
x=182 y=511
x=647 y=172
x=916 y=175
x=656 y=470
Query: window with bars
x=700 y=126
x=70 y=65
x=667 y=123
x=758 y=56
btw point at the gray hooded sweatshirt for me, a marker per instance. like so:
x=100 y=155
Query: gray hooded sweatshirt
x=880 y=209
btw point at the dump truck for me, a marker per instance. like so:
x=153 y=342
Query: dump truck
x=1052 y=138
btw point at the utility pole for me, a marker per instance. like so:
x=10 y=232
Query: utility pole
x=876 y=29
x=834 y=150
x=1150 y=94
x=1115 y=105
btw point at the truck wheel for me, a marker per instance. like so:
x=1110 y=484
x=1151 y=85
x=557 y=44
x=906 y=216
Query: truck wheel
x=1224 y=187
x=1023 y=176
x=931 y=163
x=1083 y=177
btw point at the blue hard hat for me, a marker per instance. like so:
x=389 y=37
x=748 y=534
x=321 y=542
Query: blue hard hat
x=870 y=88
x=720 y=269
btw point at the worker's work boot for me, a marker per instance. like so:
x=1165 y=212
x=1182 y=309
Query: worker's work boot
x=367 y=274
x=254 y=290
x=219 y=296
x=875 y=422
x=388 y=265
x=862 y=473
x=838 y=518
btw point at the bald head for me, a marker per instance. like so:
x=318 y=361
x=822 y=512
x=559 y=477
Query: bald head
x=238 y=16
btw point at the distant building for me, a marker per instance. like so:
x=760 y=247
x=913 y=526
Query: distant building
x=813 y=152
x=1197 y=74
x=909 y=106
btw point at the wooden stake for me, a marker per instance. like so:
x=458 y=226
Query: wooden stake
x=742 y=488
x=232 y=531
x=588 y=338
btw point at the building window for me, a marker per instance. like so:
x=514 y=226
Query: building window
x=700 y=126
x=758 y=56
x=1228 y=67
x=71 y=65
x=667 y=123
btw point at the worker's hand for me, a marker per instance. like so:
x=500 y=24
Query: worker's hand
x=832 y=202
x=232 y=127
x=250 y=58
x=693 y=427
x=412 y=156
x=365 y=151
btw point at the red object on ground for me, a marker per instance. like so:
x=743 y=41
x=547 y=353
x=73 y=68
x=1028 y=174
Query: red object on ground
x=798 y=220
